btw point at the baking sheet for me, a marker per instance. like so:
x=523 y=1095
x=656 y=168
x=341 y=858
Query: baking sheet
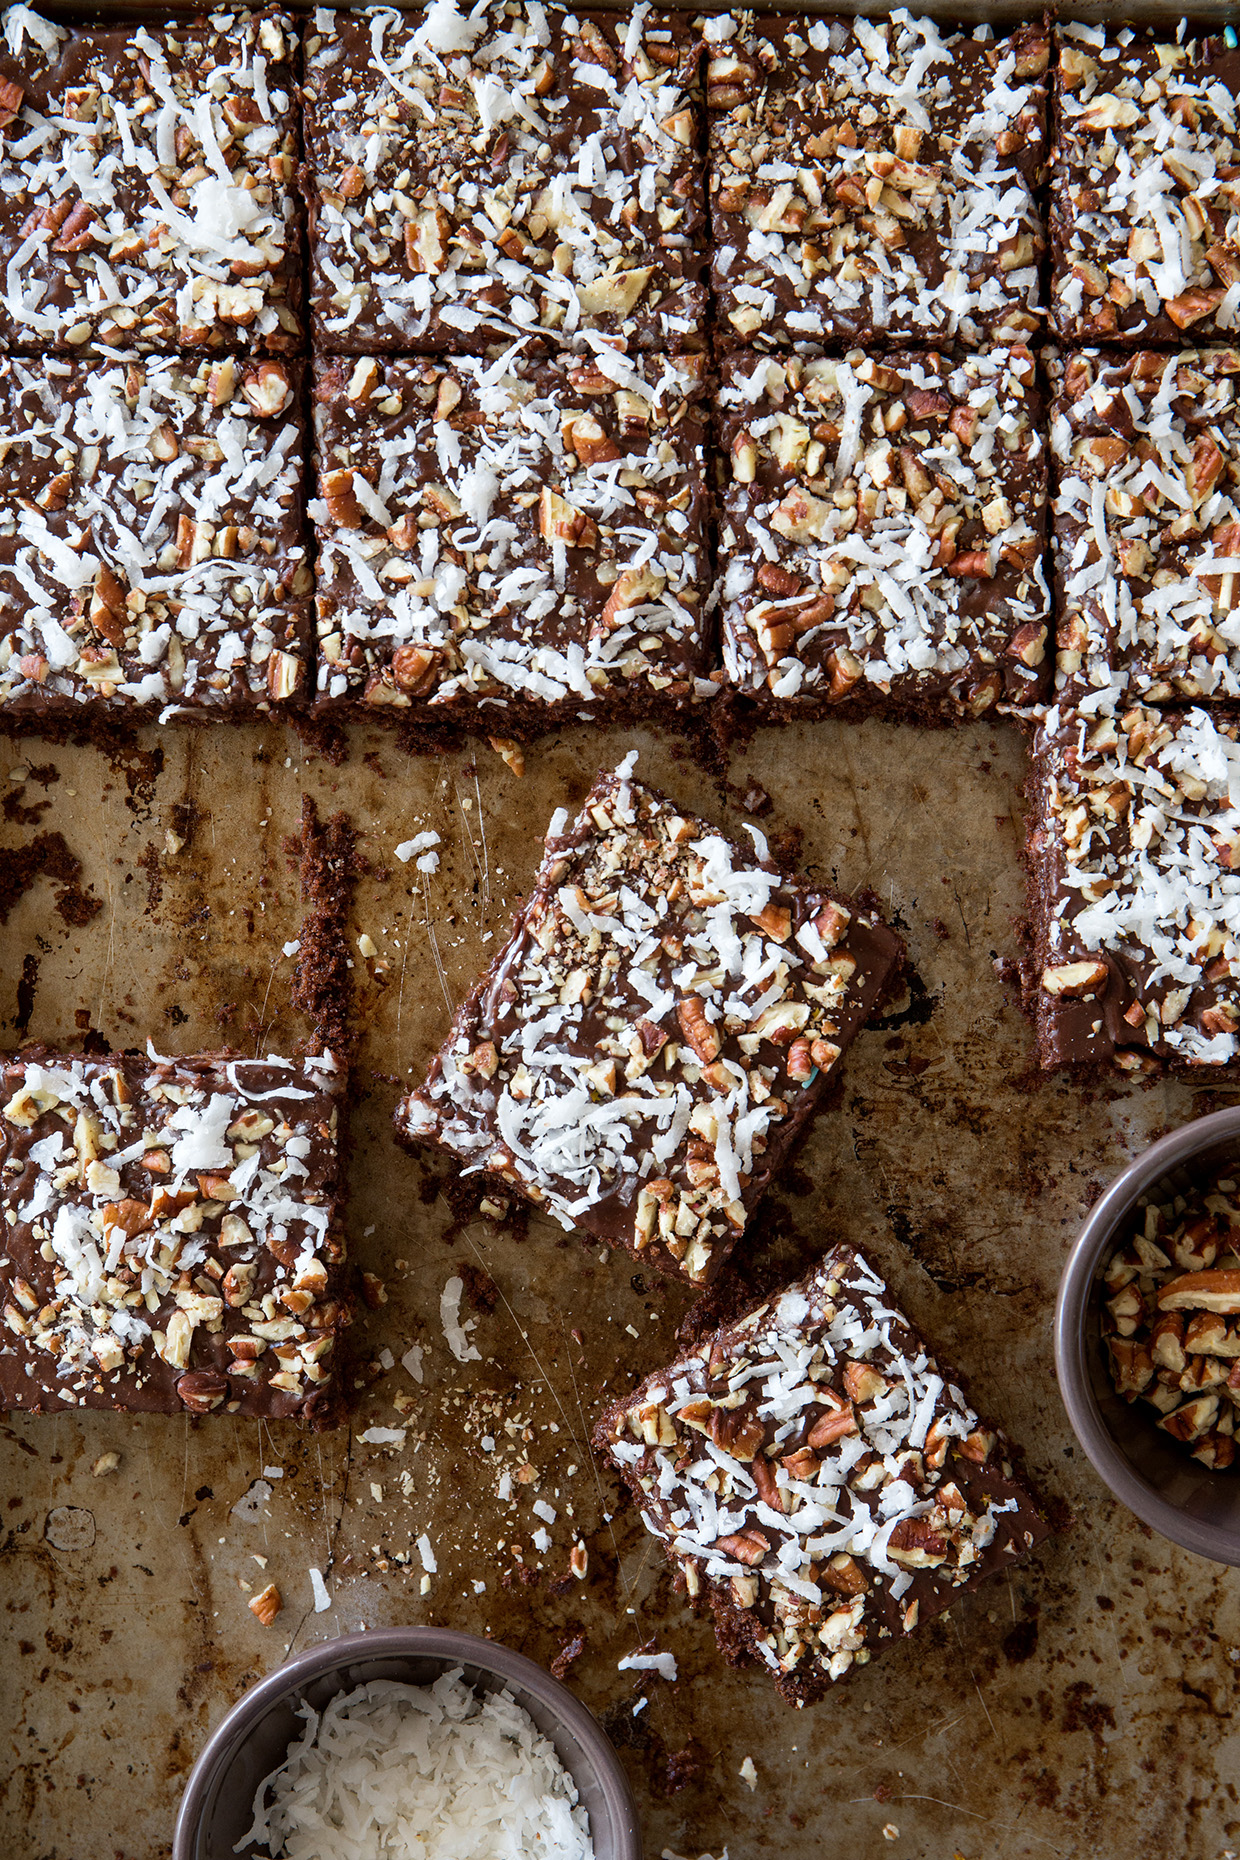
x=1079 y=1707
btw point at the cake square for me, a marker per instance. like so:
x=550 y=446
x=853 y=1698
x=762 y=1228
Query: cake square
x=815 y=1474
x=1145 y=186
x=655 y=1033
x=146 y=184
x=873 y=181
x=883 y=533
x=1134 y=902
x=504 y=542
x=152 y=550
x=1147 y=526
x=511 y=170
x=170 y=1235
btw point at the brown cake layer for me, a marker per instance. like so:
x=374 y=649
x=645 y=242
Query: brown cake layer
x=146 y=197
x=170 y=1235
x=643 y=1052
x=815 y=1474
x=503 y=172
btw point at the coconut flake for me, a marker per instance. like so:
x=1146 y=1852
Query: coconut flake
x=390 y=1769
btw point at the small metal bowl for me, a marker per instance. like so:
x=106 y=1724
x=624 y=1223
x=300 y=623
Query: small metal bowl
x=1158 y=1480
x=252 y=1741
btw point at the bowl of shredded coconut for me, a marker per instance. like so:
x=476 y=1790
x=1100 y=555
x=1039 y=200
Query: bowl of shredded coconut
x=408 y=1744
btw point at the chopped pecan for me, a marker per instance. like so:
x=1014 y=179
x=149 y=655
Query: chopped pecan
x=748 y=1546
x=77 y=231
x=267 y=388
x=341 y=499
x=11 y=96
x=764 y=1479
x=838 y=1421
x=415 y=668
x=202 y=1390
x=267 y=1604
x=698 y=1031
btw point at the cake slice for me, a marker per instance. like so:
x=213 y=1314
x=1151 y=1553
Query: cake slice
x=1134 y=871
x=146 y=184
x=504 y=544
x=1147 y=526
x=152 y=538
x=1145 y=187
x=645 y=1049
x=872 y=181
x=883 y=533
x=479 y=174
x=170 y=1234
x=815 y=1474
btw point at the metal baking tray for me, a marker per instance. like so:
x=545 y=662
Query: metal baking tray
x=1080 y=1707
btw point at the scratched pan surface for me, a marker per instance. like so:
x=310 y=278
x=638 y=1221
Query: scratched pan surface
x=1078 y=1708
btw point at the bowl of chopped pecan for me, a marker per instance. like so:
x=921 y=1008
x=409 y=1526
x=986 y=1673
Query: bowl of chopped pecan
x=1147 y=1336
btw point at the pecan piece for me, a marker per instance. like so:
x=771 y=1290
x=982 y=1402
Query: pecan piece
x=415 y=669
x=834 y=1424
x=863 y=1382
x=1075 y=980
x=1217 y=1289
x=764 y=1479
x=585 y=435
x=778 y=581
x=267 y=388
x=831 y=923
x=1192 y=306
x=107 y=607
x=560 y=521
x=653 y=1038
x=697 y=1030
x=843 y=1574
x=1028 y=644
x=736 y=1432
x=775 y=920
x=341 y=499
x=974 y=562
x=267 y=1604
x=916 y=1543
x=748 y=1546
x=202 y=1390
x=11 y=96
x=77 y=231
x=799 y=1063
x=634 y=587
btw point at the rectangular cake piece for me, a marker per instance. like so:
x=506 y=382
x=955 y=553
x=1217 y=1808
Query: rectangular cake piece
x=659 y=1026
x=152 y=550
x=1147 y=526
x=815 y=1473
x=873 y=181
x=170 y=1236
x=146 y=184
x=883 y=533
x=503 y=542
x=506 y=170
x=1134 y=856
x=1145 y=186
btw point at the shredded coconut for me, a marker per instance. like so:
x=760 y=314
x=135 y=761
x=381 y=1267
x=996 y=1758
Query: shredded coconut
x=390 y=1771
